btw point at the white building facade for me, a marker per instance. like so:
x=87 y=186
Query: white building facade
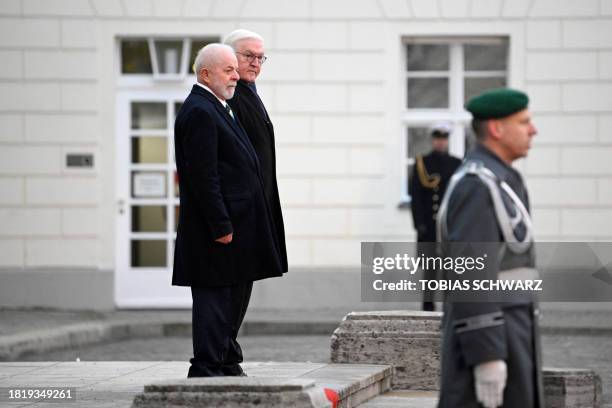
x=89 y=88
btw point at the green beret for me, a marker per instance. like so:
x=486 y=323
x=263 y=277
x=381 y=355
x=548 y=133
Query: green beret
x=497 y=103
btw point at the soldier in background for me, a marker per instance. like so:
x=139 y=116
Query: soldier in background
x=430 y=177
x=491 y=344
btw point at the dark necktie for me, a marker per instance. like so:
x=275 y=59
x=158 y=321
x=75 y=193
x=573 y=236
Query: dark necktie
x=229 y=111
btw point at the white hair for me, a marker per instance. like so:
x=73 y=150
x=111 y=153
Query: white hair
x=208 y=56
x=240 y=34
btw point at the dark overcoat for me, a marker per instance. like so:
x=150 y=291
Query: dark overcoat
x=476 y=332
x=221 y=192
x=252 y=115
x=426 y=199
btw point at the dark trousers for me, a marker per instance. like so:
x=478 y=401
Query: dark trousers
x=217 y=315
x=428 y=249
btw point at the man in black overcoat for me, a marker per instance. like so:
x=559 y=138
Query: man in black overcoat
x=430 y=176
x=253 y=116
x=226 y=238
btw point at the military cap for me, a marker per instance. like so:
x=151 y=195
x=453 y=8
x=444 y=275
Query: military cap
x=441 y=129
x=497 y=103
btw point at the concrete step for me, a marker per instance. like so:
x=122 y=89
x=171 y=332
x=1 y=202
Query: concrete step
x=233 y=392
x=354 y=383
x=407 y=340
x=116 y=383
x=403 y=399
x=66 y=336
x=350 y=386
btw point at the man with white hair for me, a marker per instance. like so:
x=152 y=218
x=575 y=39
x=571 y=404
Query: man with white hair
x=253 y=116
x=225 y=237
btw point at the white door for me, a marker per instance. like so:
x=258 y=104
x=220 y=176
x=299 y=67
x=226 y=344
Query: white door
x=148 y=202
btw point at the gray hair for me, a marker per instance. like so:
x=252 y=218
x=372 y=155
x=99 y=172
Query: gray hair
x=240 y=34
x=208 y=56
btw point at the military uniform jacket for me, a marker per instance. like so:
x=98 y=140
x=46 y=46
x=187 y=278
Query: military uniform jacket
x=253 y=116
x=427 y=186
x=477 y=332
x=221 y=192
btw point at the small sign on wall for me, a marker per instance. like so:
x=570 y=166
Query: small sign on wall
x=149 y=184
x=79 y=160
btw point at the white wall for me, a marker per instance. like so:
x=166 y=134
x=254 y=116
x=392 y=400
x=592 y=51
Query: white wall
x=332 y=86
x=48 y=107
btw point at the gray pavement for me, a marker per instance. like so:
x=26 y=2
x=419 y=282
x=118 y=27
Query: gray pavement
x=26 y=331
x=14 y=321
x=560 y=350
x=561 y=317
x=306 y=348
x=575 y=335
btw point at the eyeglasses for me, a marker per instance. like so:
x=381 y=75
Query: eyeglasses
x=251 y=57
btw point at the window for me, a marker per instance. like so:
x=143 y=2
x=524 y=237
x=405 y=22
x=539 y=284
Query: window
x=153 y=197
x=160 y=58
x=441 y=74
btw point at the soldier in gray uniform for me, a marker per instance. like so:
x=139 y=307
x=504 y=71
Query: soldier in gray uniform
x=491 y=350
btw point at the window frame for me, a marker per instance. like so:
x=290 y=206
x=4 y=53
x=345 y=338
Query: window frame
x=156 y=78
x=455 y=113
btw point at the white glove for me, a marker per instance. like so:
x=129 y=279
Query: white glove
x=490 y=379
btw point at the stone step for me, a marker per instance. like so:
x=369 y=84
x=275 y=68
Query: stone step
x=563 y=387
x=572 y=388
x=272 y=385
x=403 y=399
x=354 y=383
x=407 y=340
x=233 y=392
x=410 y=342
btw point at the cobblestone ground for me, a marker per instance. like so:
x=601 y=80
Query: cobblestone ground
x=559 y=351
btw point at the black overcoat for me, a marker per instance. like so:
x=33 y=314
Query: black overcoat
x=221 y=192
x=252 y=115
x=426 y=200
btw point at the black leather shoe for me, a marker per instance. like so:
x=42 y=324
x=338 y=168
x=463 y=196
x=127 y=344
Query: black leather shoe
x=233 y=371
